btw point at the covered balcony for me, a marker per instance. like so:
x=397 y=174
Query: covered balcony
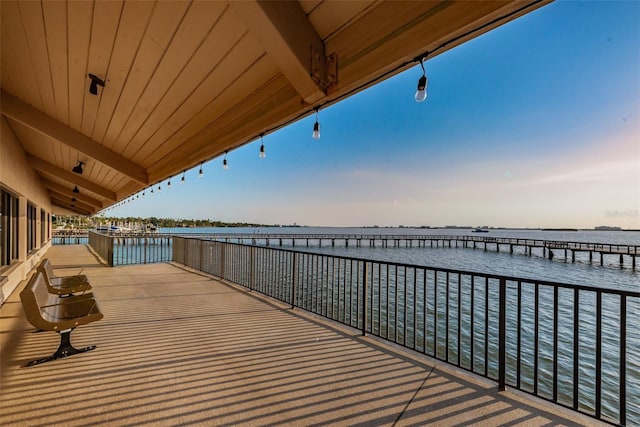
x=177 y=346
x=102 y=100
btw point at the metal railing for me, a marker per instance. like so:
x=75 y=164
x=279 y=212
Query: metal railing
x=102 y=245
x=564 y=343
x=134 y=249
x=69 y=237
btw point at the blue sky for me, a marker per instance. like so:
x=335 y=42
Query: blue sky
x=535 y=124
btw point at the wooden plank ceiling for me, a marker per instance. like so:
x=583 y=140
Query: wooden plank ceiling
x=186 y=81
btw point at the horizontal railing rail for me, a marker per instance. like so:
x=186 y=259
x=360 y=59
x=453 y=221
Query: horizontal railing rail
x=565 y=343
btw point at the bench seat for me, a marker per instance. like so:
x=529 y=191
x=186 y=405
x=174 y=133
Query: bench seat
x=48 y=312
x=63 y=285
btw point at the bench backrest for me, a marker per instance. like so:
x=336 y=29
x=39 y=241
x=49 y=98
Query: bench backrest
x=45 y=268
x=34 y=296
x=62 y=285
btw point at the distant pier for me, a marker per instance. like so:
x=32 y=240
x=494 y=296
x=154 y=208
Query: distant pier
x=551 y=249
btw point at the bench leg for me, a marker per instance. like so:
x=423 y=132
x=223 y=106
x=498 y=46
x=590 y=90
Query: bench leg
x=65 y=349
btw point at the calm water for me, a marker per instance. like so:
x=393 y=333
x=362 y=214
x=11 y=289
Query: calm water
x=610 y=275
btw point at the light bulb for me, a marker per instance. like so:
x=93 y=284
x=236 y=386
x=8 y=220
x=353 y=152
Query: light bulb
x=169 y=184
x=200 y=172
x=152 y=191
x=225 y=166
x=316 y=130
x=262 y=153
x=421 y=93
x=159 y=189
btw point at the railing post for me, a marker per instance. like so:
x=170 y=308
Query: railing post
x=623 y=360
x=252 y=260
x=294 y=281
x=223 y=246
x=364 y=300
x=502 y=341
x=110 y=251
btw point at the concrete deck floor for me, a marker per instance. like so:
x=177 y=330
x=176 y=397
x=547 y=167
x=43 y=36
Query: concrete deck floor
x=179 y=348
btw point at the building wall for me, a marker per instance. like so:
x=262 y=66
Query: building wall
x=18 y=178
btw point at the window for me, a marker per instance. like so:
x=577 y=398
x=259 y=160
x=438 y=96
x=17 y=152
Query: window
x=43 y=227
x=9 y=206
x=31 y=227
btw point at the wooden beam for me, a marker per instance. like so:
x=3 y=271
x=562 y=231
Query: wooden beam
x=68 y=192
x=66 y=205
x=37 y=120
x=65 y=199
x=291 y=41
x=71 y=177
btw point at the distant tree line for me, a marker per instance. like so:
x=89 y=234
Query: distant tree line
x=74 y=222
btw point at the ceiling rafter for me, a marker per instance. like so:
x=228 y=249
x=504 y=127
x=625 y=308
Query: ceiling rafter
x=291 y=41
x=29 y=116
x=67 y=192
x=64 y=199
x=65 y=205
x=70 y=177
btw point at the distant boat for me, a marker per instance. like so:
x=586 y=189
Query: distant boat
x=479 y=230
x=107 y=228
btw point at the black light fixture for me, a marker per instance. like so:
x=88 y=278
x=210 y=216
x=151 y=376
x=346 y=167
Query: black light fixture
x=182 y=179
x=78 y=168
x=421 y=92
x=200 y=172
x=262 y=154
x=76 y=189
x=95 y=82
x=73 y=199
x=316 y=127
x=225 y=165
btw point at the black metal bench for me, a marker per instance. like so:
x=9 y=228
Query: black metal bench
x=49 y=312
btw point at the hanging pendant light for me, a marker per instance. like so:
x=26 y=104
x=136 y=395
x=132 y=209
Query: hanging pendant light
x=421 y=92
x=316 y=127
x=262 y=154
